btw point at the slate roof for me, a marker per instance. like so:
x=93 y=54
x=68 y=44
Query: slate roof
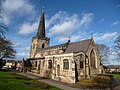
x=78 y=46
x=11 y=61
x=52 y=47
x=72 y=47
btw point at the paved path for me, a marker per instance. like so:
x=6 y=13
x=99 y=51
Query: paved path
x=116 y=83
x=60 y=85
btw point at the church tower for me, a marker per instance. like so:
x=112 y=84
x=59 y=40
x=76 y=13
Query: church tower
x=40 y=40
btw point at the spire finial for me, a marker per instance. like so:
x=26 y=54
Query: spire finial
x=68 y=39
x=91 y=35
x=43 y=9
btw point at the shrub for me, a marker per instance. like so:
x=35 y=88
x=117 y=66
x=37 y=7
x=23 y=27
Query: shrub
x=94 y=83
x=102 y=82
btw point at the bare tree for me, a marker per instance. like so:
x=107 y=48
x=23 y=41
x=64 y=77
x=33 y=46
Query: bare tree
x=6 y=46
x=3 y=28
x=6 y=49
x=116 y=48
x=104 y=52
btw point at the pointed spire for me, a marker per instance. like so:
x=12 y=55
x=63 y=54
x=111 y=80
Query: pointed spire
x=41 y=27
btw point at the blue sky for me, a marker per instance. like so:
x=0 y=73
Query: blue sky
x=75 y=18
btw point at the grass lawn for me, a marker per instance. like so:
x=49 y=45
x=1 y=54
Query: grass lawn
x=116 y=75
x=11 y=81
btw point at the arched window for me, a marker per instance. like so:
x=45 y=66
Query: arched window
x=92 y=59
x=65 y=64
x=81 y=61
x=58 y=70
x=35 y=63
x=43 y=45
x=50 y=64
x=43 y=63
x=81 y=64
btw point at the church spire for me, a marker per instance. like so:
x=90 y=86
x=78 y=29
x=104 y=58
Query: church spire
x=41 y=27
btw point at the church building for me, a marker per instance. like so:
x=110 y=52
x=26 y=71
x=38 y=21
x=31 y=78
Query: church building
x=69 y=62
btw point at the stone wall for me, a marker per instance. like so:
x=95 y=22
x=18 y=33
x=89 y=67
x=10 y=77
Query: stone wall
x=65 y=75
x=75 y=72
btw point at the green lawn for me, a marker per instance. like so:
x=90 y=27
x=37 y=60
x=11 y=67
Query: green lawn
x=11 y=81
x=116 y=75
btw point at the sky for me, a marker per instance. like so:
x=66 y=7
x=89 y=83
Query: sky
x=78 y=19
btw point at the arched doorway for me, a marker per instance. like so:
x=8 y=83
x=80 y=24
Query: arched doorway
x=76 y=72
x=58 y=70
x=43 y=45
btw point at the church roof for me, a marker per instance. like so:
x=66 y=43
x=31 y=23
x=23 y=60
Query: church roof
x=78 y=46
x=71 y=47
x=53 y=47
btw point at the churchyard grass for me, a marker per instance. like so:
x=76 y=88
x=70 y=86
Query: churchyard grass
x=12 y=81
x=116 y=75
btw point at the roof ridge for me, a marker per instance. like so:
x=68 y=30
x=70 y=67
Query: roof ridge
x=80 y=41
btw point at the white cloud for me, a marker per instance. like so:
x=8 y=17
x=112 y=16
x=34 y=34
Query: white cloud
x=106 y=37
x=28 y=28
x=16 y=44
x=66 y=26
x=22 y=54
x=55 y=18
x=61 y=25
x=86 y=19
x=5 y=19
x=73 y=38
x=20 y=8
x=62 y=39
x=115 y=23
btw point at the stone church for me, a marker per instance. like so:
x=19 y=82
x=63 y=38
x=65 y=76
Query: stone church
x=69 y=62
